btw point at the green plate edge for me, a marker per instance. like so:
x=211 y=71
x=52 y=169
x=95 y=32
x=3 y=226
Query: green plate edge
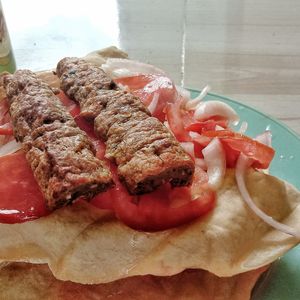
x=282 y=280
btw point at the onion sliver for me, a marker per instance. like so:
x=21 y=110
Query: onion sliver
x=188 y=147
x=10 y=147
x=218 y=128
x=200 y=162
x=265 y=138
x=241 y=167
x=243 y=128
x=215 y=160
x=183 y=92
x=153 y=104
x=192 y=104
x=208 y=109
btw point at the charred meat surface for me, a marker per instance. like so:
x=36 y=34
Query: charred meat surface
x=144 y=150
x=61 y=156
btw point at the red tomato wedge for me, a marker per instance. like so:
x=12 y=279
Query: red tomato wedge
x=207 y=125
x=165 y=207
x=236 y=143
x=6 y=129
x=20 y=197
x=145 y=86
x=104 y=200
x=176 y=117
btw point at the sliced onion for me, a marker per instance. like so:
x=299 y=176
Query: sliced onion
x=194 y=135
x=121 y=67
x=214 y=157
x=241 y=167
x=153 y=104
x=265 y=138
x=166 y=123
x=192 y=104
x=200 y=162
x=188 y=147
x=208 y=109
x=183 y=92
x=200 y=139
x=218 y=128
x=10 y=147
x=243 y=128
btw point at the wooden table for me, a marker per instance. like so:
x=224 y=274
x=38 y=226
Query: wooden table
x=248 y=50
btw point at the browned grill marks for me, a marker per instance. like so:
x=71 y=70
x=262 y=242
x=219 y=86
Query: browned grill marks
x=60 y=154
x=145 y=152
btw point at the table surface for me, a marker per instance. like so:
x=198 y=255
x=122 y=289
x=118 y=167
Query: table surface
x=248 y=50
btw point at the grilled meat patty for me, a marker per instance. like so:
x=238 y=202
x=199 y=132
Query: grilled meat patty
x=144 y=150
x=61 y=156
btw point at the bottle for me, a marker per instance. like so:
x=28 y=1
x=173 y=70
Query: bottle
x=7 y=60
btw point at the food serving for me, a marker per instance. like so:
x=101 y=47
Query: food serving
x=171 y=186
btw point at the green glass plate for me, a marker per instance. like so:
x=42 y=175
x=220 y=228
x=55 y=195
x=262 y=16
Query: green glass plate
x=282 y=281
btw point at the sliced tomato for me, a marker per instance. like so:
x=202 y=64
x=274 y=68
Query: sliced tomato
x=104 y=200
x=207 y=125
x=166 y=207
x=221 y=133
x=137 y=82
x=20 y=197
x=232 y=155
x=198 y=149
x=176 y=116
x=6 y=129
x=236 y=143
x=145 y=86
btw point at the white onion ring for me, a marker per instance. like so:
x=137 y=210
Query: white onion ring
x=214 y=157
x=200 y=162
x=183 y=92
x=218 y=128
x=241 y=167
x=192 y=104
x=188 y=147
x=265 y=138
x=153 y=104
x=207 y=109
x=243 y=128
x=10 y=147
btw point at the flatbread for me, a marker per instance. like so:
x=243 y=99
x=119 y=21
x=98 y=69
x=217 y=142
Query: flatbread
x=86 y=245
x=18 y=281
